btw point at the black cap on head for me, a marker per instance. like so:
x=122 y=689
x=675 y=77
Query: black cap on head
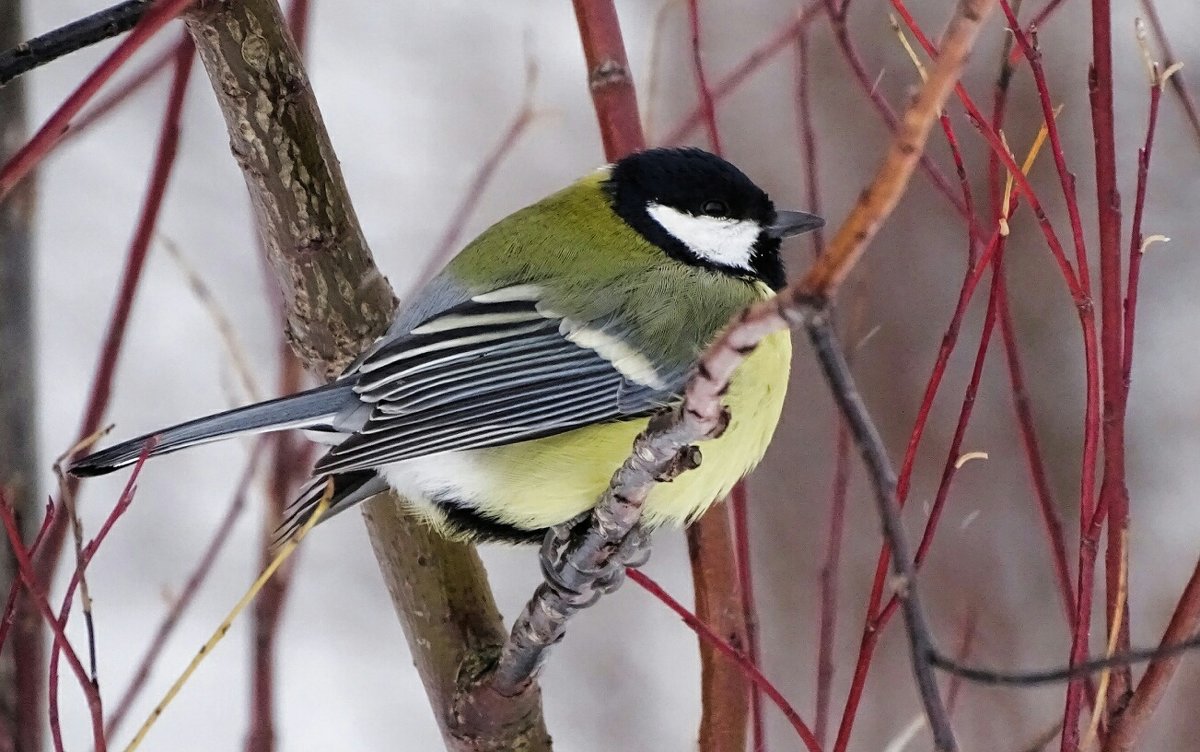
x=681 y=199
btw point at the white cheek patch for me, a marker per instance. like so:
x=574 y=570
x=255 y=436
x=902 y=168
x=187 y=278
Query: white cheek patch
x=728 y=242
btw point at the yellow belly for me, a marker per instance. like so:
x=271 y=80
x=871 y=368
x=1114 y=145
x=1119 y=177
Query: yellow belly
x=536 y=484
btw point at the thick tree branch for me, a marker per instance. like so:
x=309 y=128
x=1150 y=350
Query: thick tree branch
x=337 y=302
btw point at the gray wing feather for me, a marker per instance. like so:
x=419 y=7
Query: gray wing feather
x=484 y=372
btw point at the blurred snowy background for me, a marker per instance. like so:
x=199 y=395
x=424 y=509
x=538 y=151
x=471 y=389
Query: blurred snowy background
x=415 y=95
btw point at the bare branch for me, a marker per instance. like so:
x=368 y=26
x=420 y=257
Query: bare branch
x=101 y=25
x=337 y=302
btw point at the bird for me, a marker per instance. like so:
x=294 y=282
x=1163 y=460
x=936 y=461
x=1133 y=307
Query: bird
x=508 y=389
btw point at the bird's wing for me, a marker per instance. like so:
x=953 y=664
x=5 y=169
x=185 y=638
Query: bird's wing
x=497 y=369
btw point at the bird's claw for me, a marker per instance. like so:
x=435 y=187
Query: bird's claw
x=585 y=586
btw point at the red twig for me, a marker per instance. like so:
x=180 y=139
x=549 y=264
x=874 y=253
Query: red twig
x=1039 y=20
x=707 y=105
x=609 y=77
x=98 y=399
x=54 y=128
x=841 y=33
x=15 y=590
x=711 y=638
x=842 y=443
x=1114 y=493
x=1047 y=507
x=1136 y=240
x=753 y=62
x=106 y=104
x=950 y=468
x=875 y=618
x=829 y=579
x=1129 y=720
x=36 y=594
x=1091 y=513
x=164 y=162
x=64 y=613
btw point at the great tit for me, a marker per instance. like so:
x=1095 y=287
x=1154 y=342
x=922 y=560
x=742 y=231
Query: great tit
x=509 y=389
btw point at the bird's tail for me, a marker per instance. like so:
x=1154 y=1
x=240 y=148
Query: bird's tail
x=312 y=409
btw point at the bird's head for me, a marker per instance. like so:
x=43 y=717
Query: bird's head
x=703 y=211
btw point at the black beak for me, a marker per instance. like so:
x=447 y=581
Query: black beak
x=788 y=223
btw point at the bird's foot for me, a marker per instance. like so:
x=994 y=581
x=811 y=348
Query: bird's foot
x=584 y=585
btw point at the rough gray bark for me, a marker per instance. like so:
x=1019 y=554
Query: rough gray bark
x=20 y=702
x=337 y=302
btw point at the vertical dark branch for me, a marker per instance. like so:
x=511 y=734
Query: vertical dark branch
x=21 y=660
x=336 y=302
x=883 y=481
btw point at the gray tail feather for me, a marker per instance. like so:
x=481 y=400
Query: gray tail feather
x=309 y=409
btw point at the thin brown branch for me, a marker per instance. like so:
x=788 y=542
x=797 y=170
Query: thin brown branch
x=337 y=302
x=725 y=702
x=1129 y=725
x=739 y=501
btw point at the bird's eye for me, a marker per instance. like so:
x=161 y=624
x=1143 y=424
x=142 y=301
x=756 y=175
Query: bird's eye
x=715 y=208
